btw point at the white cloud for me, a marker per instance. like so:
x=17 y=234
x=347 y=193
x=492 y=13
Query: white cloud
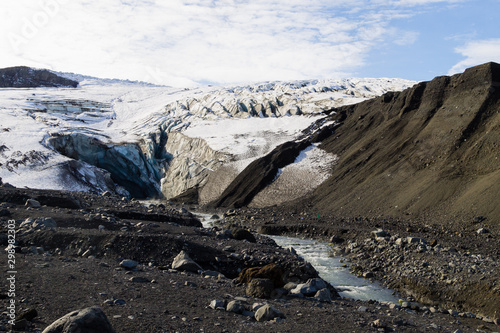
x=184 y=42
x=476 y=53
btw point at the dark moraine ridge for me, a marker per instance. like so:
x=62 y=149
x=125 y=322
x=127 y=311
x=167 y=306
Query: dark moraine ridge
x=26 y=77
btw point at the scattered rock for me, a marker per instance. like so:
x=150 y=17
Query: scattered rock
x=89 y=320
x=128 y=264
x=235 y=306
x=182 y=262
x=310 y=287
x=324 y=295
x=139 y=279
x=242 y=234
x=32 y=203
x=267 y=313
x=29 y=314
x=482 y=231
x=217 y=304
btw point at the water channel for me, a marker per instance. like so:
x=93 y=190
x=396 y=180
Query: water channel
x=331 y=269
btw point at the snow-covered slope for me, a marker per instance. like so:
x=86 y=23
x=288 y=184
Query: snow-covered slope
x=110 y=135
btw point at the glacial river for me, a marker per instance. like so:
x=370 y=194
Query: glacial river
x=330 y=268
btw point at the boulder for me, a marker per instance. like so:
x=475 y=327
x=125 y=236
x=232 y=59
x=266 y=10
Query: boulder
x=324 y=295
x=33 y=203
x=184 y=263
x=272 y=272
x=89 y=320
x=267 y=313
x=310 y=288
x=242 y=234
x=235 y=306
x=260 y=288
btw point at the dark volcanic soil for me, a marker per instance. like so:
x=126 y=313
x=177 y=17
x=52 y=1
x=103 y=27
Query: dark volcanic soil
x=76 y=265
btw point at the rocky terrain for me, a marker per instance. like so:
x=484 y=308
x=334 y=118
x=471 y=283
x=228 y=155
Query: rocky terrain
x=405 y=191
x=152 y=268
x=26 y=77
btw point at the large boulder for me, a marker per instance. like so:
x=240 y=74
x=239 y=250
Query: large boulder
x=310 y=288
x=89 y=320
x=182 y=262
x=272 y=272
x=260 y=288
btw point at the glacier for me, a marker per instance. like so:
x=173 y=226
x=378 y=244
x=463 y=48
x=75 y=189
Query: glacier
x=145 y=141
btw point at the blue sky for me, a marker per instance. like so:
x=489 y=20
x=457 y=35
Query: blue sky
x=195 y=42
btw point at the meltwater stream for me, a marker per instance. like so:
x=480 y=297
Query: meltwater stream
x=329 y=268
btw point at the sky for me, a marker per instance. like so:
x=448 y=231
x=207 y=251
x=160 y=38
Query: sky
x=186 y=43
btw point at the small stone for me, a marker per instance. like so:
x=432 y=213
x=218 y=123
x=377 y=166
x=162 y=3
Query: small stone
x=29 y=314
x=323 y=295
x=379 y=324
x=32 y=203
x=482 y=231
x=362 y=309
x=119 y=302
x=453 y=313
x=367 y=275
x=128 y=264
x=217 y=305
x=106 y=194
x=139 y=279
x=267 y=313
x=235 y=306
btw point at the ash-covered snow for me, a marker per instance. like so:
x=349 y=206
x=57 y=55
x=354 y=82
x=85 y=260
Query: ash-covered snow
x=244 y=121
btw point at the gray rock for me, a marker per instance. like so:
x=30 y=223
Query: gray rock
x=379 y=233
x=119 y=301
x=235 y=306
x=362 y=309
x=213 y=274
x=33 y=203
x=89 y=320
x=482 y=231
x=324 y=295
x=267 y=313
x=44 y=222
x=414 y=240
x=217 y=304
x=128 y=264
x=290 y=285
x=310 y=287
x=182 y=262
x=453 y=313
x=139 y=279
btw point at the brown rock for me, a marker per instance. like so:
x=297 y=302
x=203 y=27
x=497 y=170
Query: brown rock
x=271 y=272
x=260 y=288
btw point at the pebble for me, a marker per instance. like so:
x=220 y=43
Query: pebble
x=128 y=264
x=362 y=309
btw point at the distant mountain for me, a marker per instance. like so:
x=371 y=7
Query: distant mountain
x=26 y=77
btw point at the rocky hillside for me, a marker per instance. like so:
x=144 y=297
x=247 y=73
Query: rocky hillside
x=433 y=148
x=430 y=149
x=26 y=77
